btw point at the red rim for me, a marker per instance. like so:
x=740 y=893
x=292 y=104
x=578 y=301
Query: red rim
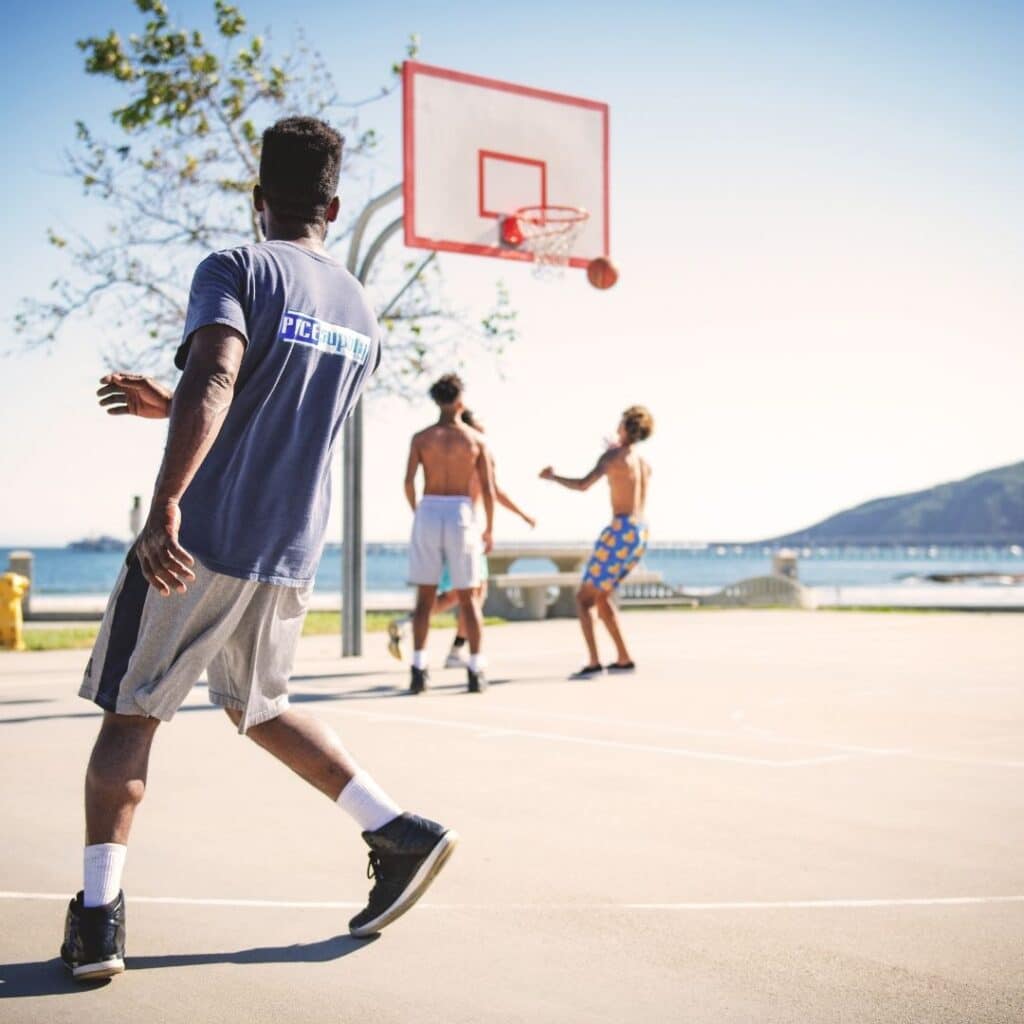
x=552 y=215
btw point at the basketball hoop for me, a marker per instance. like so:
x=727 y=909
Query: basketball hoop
x=548 y=232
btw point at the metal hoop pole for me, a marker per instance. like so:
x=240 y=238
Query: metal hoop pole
x=359 y=228
x=375 y=247
x=353 y=545
x=408 y=284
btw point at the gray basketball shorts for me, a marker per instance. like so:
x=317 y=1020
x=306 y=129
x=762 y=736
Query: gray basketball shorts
x=445 y=533
x=152 y=650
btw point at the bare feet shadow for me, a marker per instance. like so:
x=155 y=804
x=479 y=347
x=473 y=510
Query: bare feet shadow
x=49 y=977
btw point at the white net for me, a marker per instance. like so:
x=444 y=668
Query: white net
x=549 y=233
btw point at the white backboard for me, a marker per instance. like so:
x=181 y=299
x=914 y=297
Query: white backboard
x=477 y=149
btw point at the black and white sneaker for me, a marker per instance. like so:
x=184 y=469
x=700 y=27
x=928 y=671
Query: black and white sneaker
x=621 y=667
x=419 y=680
x=588 y=672
x=455 y=659
x=477 y=680
x=405 y=857
x=94 y=940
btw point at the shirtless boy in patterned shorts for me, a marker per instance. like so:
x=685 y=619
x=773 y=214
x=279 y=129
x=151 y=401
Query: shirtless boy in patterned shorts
x=621 y=544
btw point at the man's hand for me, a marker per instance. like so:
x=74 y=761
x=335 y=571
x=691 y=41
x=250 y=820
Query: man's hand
x=164 y=562
x=547 y=473
x=488 y=541
x=131 y=394
x=530 y=521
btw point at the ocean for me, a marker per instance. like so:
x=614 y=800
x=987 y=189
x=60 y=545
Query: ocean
x=701 y=568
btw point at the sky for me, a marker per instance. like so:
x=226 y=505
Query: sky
x=817 y=212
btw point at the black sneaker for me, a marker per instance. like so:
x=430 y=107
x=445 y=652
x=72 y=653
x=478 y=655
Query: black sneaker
x=405 y=857
x=588 y=672
x=477 y=681
x=420 y=680
x=94 y=940
x=621 y=667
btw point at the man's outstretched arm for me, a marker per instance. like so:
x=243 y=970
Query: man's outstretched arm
x=198 y=409
x=411 y=465
x=583 y=483
x=503 y=499
x=485 y=472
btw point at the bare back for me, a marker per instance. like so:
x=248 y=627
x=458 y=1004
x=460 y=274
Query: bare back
x=628 y=477
x=449 y=454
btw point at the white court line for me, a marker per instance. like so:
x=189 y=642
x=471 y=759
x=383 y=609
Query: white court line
x=824 y=904
x=763 y=735
x=839 y=904
x=682 y=730
x=767 y=735
x=851 y=748
x=488 y=729
x=975 y=762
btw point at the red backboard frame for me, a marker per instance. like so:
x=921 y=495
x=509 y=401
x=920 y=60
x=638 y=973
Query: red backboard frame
x=410 y=70
x=484 y=155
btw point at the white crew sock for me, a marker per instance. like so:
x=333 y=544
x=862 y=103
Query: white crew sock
x=367 y=803
x=103 y=866
x=419 y=659
x=477 y=662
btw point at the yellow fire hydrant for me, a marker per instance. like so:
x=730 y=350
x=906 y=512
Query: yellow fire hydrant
x=12 y=586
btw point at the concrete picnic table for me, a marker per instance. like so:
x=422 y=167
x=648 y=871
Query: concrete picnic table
x=568 y=559
x=533 y=588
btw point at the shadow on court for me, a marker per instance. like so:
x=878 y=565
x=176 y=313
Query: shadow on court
x=380 y=692
x=383 y=690
x=335 y=675
x=23 y=719
x=374 y=693
x=387 y=690
x=50 y=978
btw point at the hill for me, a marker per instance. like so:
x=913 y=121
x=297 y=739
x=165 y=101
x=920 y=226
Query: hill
x=987 y=508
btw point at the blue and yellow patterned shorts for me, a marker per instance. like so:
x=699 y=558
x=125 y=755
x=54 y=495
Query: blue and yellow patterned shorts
x=616 y=553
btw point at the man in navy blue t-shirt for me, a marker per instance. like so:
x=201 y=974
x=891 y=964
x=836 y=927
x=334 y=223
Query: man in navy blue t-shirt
x=278 y=344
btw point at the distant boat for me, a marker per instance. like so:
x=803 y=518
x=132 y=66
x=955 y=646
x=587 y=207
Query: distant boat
x=102 y=544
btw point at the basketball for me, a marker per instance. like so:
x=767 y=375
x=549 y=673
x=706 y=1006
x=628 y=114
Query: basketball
x=601 y=272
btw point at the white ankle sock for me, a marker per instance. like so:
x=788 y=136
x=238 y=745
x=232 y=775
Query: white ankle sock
x=367 y=803
x=477 y=662
x=103 y=866
x=419 y=659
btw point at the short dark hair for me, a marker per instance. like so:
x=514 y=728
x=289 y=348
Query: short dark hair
x=447 y=389
x=638 y=422
x=299 y=167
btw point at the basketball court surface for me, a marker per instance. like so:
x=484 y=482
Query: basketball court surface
x=783 y=817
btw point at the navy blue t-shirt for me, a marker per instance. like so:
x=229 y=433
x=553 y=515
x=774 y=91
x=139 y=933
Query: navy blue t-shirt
x=257 y=507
